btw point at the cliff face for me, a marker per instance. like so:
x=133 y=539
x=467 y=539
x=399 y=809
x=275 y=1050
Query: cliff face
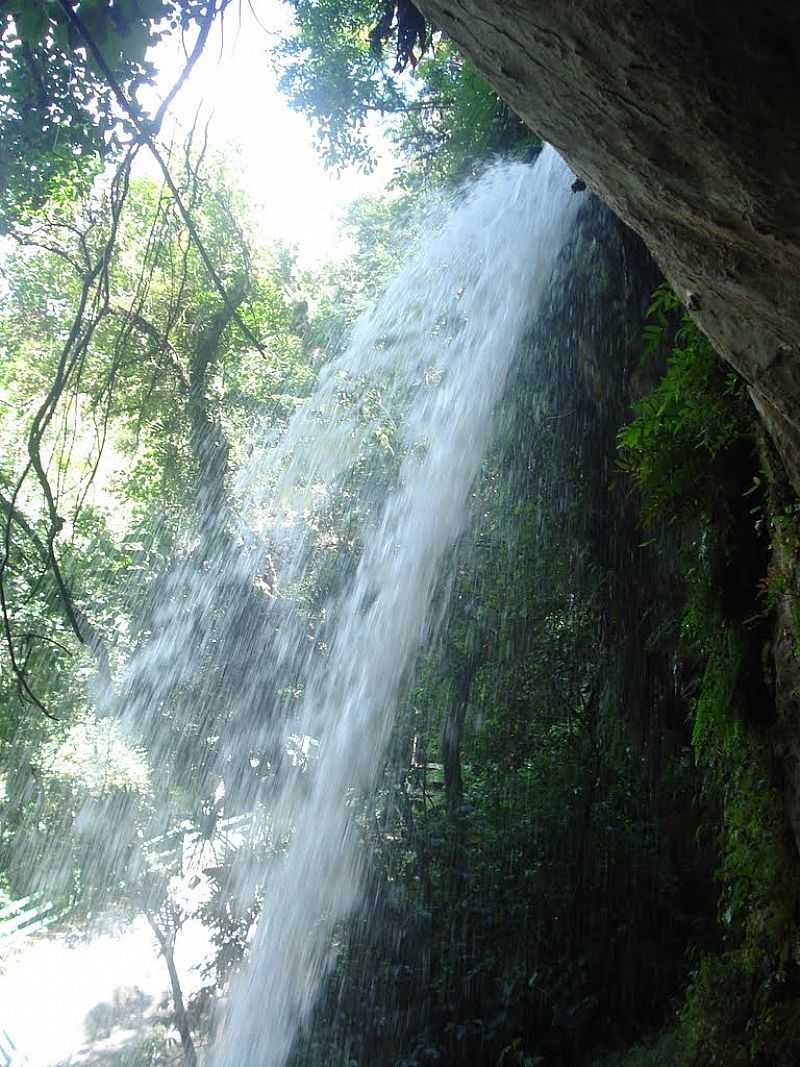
x=685 y=118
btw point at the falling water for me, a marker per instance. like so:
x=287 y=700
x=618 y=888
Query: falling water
x=438 y=346
x=233 y=666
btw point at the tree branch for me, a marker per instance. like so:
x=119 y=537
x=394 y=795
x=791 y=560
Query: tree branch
x=146 y=130
x=72 y=611
x=159 y=340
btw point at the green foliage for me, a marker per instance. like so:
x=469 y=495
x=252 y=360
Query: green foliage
x=58 y=116
x=330 y=72
x=159 y=378
x=443 y=117
x=457 y=123
x=382 y=231
x=156 y=414
x=677 y=446
x=58 y=807
x=715 y=733
x=96 y=758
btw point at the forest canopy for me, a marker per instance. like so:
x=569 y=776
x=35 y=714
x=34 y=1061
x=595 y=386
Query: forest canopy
x=70 y=78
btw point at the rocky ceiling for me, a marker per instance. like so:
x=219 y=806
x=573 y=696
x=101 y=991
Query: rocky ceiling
x=684 y=117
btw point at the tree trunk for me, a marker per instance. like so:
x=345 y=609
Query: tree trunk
x=208 y=441
x=181 y=1018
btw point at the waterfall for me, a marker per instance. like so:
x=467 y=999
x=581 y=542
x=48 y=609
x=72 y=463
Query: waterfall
x=437 y=349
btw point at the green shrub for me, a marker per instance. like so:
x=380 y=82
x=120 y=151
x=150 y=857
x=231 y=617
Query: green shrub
x=678 y=443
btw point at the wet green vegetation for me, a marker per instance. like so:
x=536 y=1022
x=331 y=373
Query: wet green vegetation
x=700 y=459
x=579 y=845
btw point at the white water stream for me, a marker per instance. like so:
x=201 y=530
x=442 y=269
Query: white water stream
x=423 y=377
x=438 y=345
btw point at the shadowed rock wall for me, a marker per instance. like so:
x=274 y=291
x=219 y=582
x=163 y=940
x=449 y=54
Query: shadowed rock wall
x=685 y=118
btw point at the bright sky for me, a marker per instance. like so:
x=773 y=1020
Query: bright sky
x=293 y=196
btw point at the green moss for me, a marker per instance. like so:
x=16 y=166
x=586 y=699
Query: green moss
x=742 y=1003
x=691 y=453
